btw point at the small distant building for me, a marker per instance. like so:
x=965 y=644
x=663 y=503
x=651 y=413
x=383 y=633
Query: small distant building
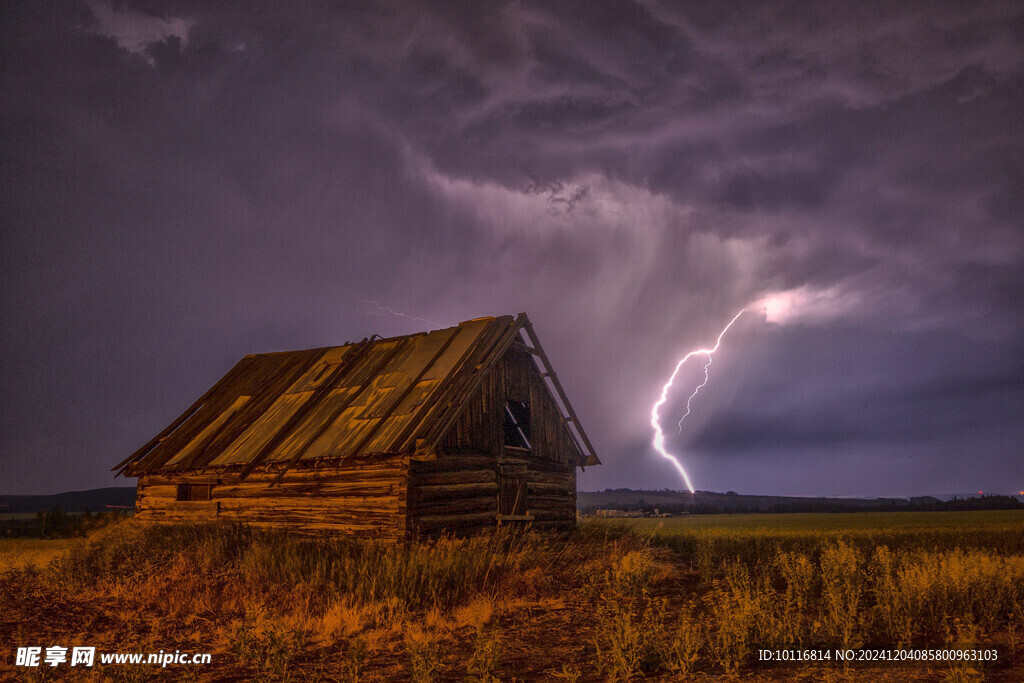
x=452 y=430
x=619 y=513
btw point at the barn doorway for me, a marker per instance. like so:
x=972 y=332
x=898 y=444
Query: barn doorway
x=512 y=480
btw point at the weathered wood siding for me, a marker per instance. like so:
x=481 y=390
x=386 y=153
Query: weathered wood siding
x=363 y=497
x=479 y=426
x=550 y=493
x=459 y=493
x=452 y=494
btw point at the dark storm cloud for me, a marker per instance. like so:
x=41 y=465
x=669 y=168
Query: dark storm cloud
x=843 y=388
x=185 y=183
x=930 y=413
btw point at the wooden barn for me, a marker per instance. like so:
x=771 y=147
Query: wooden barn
x=445 y=431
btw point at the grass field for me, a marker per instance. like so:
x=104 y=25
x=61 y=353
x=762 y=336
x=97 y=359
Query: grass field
x=835 y=521
x=18 y=553
x=650 y=598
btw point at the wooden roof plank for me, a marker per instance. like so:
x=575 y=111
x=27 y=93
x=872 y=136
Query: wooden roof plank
x=209 y=432
x=181 y=419
x=440 y=396
x=270 y=380
x=296 y=417
x=445 y=397
x=396 y=401
x=336 y=413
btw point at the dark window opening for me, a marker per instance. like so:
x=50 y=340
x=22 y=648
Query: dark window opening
x=194 y=491
x=517 y=425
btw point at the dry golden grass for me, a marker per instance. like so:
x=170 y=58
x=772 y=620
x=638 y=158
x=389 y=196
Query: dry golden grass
x=19 y=553
x=476 y=613
x=603 y=603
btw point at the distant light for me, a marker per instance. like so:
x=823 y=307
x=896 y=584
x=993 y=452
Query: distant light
x=980 y=493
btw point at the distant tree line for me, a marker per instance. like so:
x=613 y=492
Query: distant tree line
x=926 y=503
x=56 y=523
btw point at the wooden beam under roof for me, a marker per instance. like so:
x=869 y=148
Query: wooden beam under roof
x=468 y=391
x=406 y=438
x=448 y=398
x=592 y=458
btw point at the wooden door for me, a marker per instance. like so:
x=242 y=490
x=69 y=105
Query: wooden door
x=512 y=491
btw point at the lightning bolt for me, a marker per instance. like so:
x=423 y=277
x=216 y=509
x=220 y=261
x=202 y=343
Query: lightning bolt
x=387 y=310
x=659 y=436
x=707 y=368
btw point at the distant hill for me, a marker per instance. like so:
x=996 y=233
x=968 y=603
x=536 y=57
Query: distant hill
x=94 y=500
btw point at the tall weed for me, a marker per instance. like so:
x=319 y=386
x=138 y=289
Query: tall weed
x=842 y=584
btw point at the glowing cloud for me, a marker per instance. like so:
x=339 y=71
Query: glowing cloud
x=804 y=304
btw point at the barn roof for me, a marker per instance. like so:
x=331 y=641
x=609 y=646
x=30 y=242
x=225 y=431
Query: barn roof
x=393 y=395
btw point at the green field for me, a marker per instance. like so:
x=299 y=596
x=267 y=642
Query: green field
x=832 y=521
x=712 y=541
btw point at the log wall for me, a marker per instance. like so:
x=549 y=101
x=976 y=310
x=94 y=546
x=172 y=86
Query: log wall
x=364 y=498
x=459 y=493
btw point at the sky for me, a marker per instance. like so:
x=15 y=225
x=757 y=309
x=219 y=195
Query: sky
x=182 y=184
